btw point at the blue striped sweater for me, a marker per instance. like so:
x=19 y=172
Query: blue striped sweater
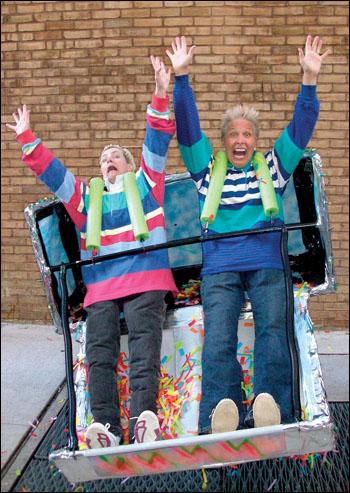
x=240 y=205
x=129 y=275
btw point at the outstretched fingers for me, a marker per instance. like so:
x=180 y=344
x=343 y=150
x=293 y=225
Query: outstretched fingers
x=308 y=43
x=15 y=117
x=326 y=53
x=315 y=44
x=191 y=50
x=11 y=127
x=21 y=118
x=155 y=62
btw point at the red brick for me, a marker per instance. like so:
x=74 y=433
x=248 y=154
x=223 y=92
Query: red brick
x=83 y=69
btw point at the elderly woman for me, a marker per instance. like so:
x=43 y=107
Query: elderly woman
x=135 y=285
x=249 y=263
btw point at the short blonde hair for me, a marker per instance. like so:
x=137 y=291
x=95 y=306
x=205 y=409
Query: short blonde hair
x=127 y=154
x=237 y=112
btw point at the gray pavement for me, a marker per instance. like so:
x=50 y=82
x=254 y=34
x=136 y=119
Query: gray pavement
x=33 y=368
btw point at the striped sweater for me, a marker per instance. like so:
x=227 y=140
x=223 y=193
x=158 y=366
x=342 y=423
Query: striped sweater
x=123 y=276
x=240 y=205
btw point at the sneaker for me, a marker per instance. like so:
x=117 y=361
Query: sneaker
x=225 y=417
x=147 y=428
x=98 y=436
x=265 y=411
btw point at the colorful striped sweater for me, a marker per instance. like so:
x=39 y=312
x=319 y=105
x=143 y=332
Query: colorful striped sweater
x=240 y=206
x=114 y=279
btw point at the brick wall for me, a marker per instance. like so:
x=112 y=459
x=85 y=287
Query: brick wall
x=83 y=69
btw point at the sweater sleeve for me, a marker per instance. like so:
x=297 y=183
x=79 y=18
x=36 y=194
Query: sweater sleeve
x=194 y=146
x=293 y=141
x=160 y=129
x=53 y=174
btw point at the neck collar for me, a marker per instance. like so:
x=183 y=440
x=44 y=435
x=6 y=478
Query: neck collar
x=117 y=186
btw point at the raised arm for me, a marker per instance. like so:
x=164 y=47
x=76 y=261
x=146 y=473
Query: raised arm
x=181 y=58
x=160 y=129
x=161 y=77
x=194 y=146
x=311 y=60
x=50 y=171
x=22 y=119
x=295 y=138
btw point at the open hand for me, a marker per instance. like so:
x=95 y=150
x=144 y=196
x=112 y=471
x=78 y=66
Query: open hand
x=161 y=76
x=22 y=120
x=180 y=58
x=311 y=60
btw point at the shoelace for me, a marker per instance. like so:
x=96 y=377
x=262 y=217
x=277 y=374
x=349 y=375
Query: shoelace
x=133 y=437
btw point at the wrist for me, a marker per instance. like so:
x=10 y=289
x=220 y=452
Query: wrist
x=309 y=79
x=160 y=93
x=25 y=136
x=160 y=104
x=182 y=71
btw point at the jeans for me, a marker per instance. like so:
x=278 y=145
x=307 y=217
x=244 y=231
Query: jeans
x=144 y=315
x=222 y=298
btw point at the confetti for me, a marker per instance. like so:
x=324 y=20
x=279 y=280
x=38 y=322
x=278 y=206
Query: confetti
x=205 y=480
x=271 y=485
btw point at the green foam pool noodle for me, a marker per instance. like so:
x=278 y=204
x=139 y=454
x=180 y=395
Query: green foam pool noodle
x=216 y=184
x=135 y=208
x=94 y=216
x=267 y=190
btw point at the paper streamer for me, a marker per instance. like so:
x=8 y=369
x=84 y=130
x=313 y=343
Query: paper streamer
x=267 y=190
x=212 y=200
x=135 y=209
x=94 y=216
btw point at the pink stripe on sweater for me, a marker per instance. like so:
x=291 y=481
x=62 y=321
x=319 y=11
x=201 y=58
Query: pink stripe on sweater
x=138 y=282
x=154 y=222
x=46 y=156
x=158 y=178
x=165 y=126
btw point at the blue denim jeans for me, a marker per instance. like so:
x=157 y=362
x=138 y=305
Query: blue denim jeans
x=144 y=315
x=222 y=298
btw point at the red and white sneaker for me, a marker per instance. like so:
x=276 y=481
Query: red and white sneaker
x=98 y=436
x=147 y=428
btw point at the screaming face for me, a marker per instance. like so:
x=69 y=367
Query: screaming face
x=113 y=164
x=240 y=142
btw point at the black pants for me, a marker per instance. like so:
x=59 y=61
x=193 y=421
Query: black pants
x=144 y=315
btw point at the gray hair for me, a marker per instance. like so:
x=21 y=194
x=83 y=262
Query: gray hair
x=127 y=154
x=241 y=111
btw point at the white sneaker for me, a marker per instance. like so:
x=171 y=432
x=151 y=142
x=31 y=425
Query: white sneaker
x=98 y=436
x=147 y=427
x=265 y=411
x=225 y=417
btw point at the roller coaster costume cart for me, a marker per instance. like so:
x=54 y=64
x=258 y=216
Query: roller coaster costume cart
x=306 y=244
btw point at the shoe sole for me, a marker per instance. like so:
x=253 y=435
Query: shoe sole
x=265 y=411
x=96 y=437
x=225 y=417
x=150 y=429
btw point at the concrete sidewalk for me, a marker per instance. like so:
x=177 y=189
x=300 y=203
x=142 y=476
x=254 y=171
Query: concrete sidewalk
x=33 y=368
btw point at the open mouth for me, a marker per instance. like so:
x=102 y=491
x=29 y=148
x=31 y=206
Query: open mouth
x=111 y=168
x=239 y=153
